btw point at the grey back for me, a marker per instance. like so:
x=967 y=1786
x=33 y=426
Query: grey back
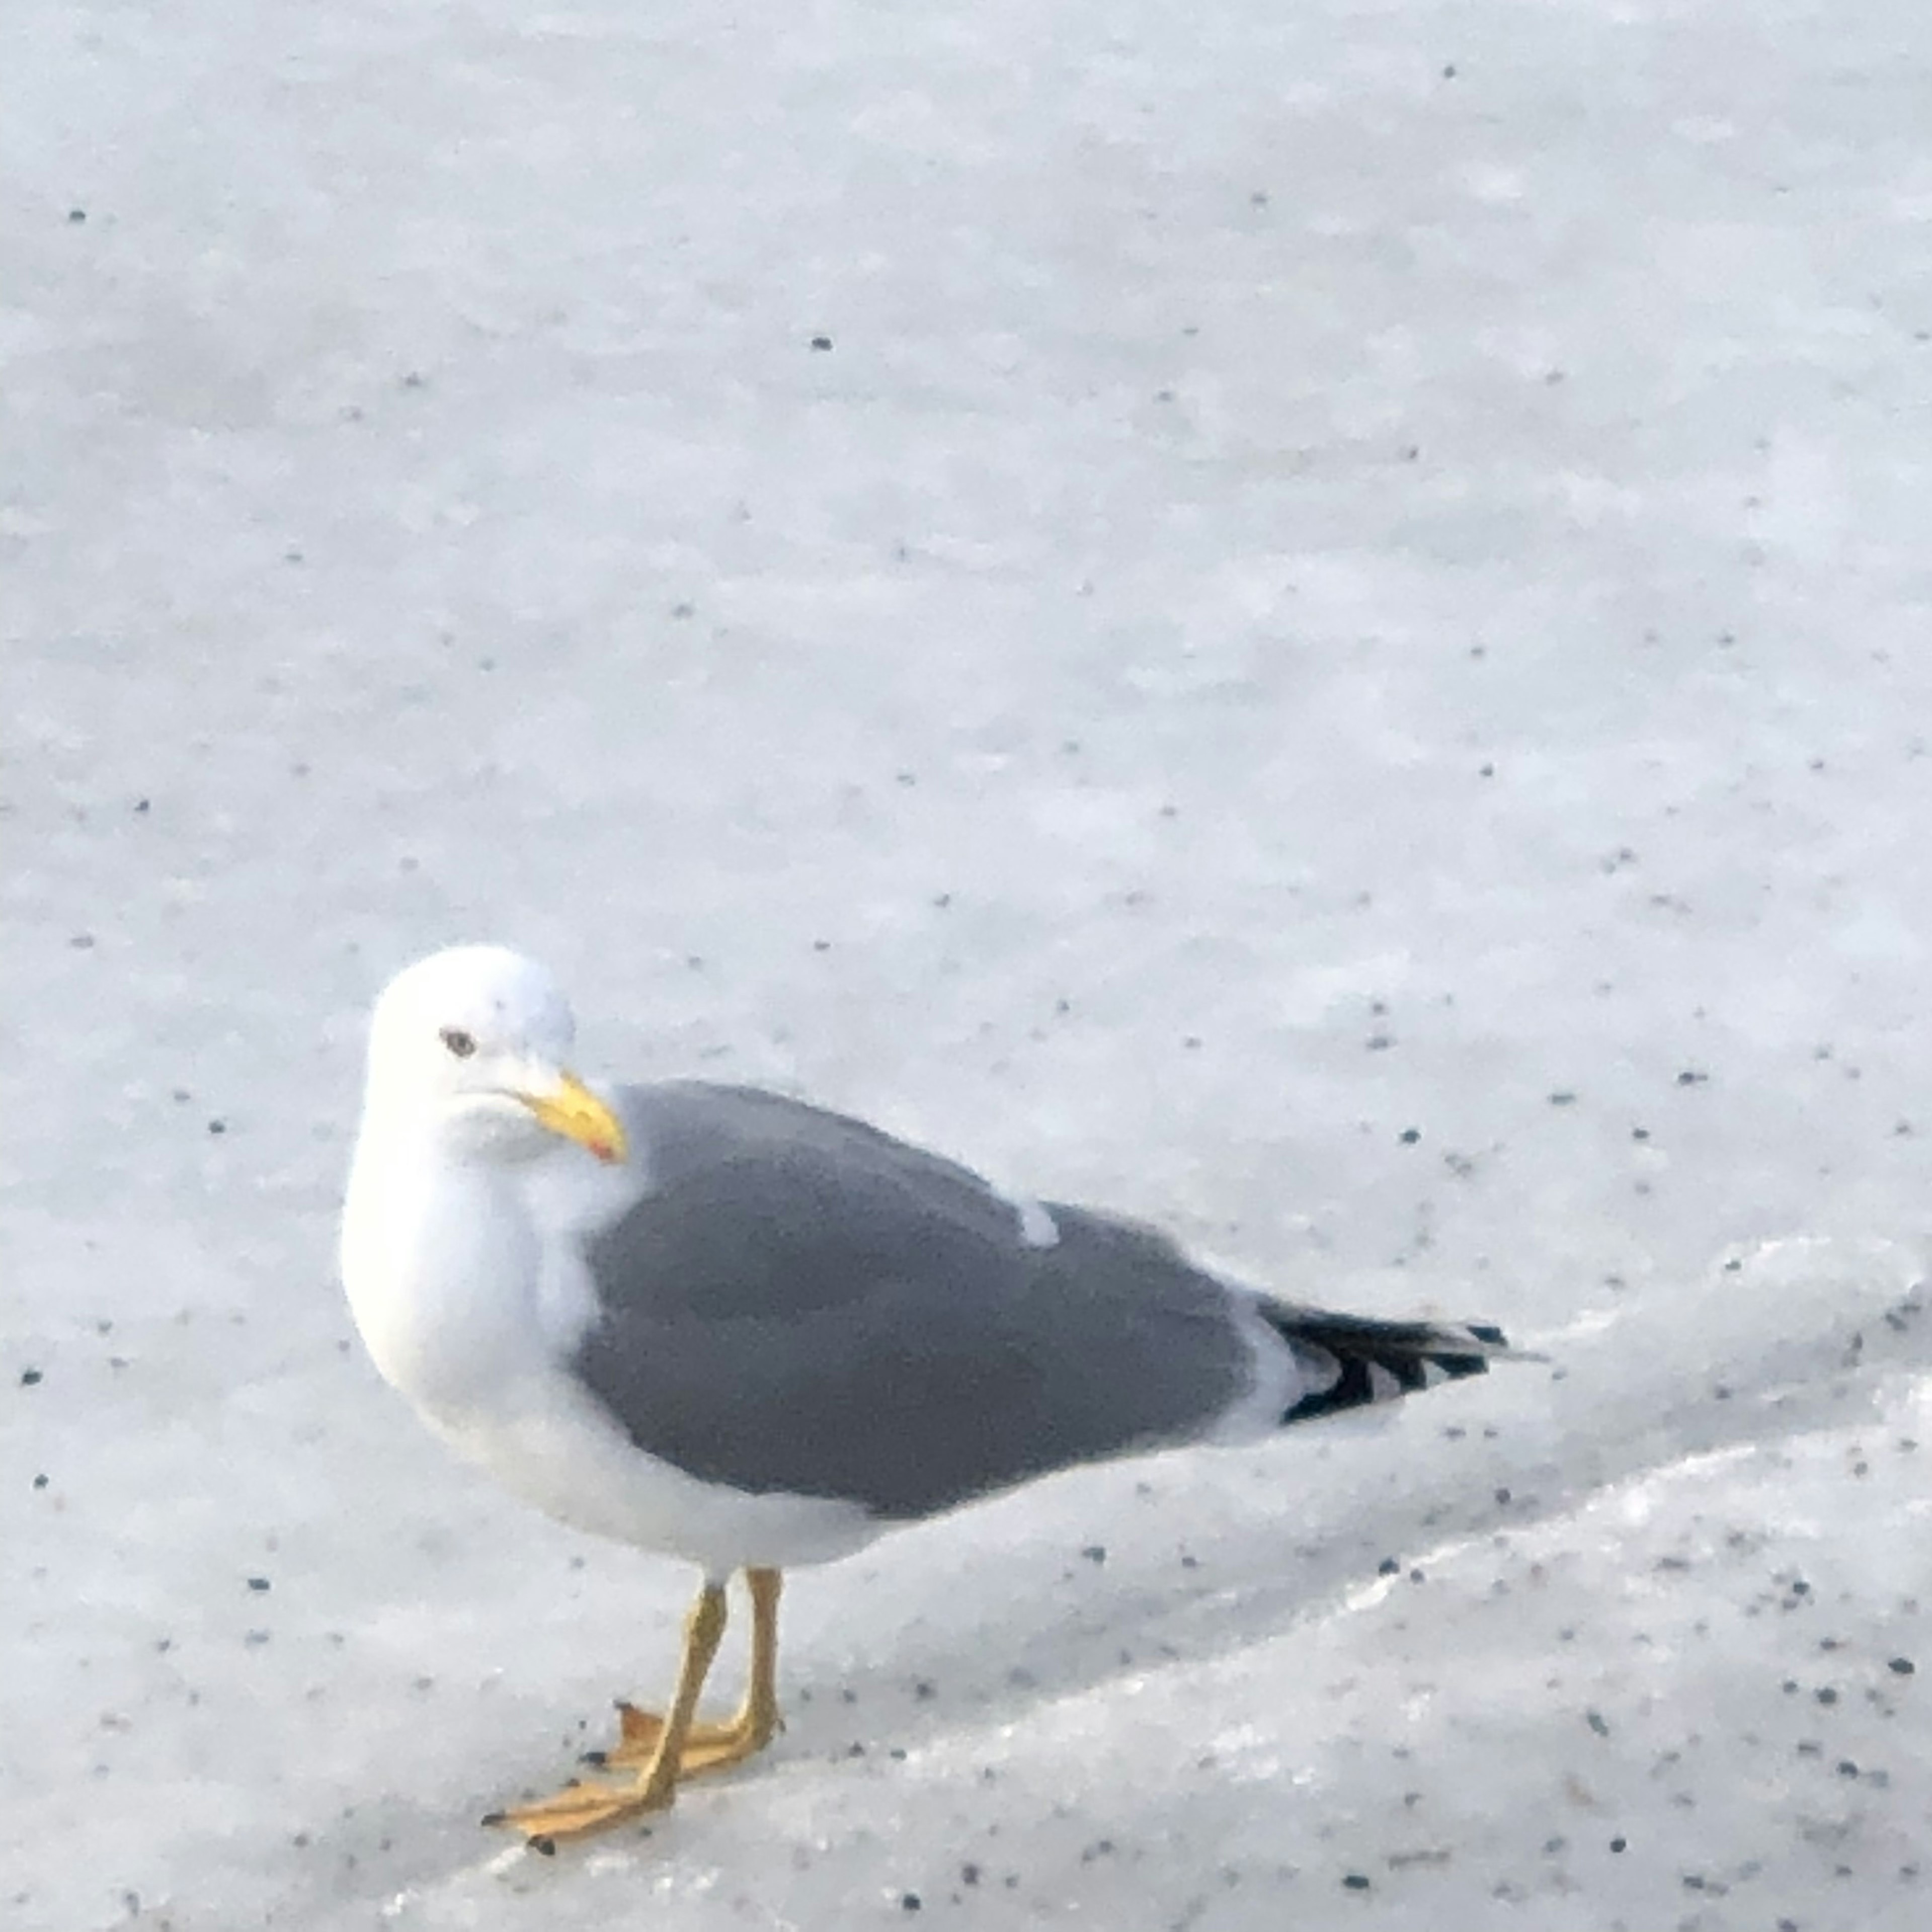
x=802 y=1303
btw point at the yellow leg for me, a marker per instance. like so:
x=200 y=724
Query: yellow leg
x=587 y=1807
x=713 y=1747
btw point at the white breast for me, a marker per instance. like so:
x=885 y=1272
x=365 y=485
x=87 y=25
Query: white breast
x=471 y=1307
x=440 y=1267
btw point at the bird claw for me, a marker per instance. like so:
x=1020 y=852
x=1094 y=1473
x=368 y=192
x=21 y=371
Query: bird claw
x=706 y=1747
x=582 y=1806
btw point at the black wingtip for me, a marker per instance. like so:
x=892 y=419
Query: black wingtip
x=1349 y=1389
x=1369 y=1361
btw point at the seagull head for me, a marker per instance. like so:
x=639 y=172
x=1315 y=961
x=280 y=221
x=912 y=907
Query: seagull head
x=472 y=1045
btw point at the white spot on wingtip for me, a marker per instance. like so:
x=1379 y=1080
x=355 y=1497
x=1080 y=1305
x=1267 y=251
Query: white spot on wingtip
x=1038 y=1229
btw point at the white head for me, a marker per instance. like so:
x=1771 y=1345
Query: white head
x=471 y=1045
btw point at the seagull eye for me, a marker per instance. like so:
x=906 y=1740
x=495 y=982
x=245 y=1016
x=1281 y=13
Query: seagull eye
x=462 y=1044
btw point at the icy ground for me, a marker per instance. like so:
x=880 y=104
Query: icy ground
x=1311 y=619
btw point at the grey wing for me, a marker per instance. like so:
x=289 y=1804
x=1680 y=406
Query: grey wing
x=802 y=1304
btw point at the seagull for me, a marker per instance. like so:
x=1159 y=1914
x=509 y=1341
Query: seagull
x=730 y=1326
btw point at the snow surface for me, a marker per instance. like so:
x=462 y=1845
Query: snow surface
x=1334 y=651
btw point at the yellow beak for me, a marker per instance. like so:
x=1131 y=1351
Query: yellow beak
x=570 y=1108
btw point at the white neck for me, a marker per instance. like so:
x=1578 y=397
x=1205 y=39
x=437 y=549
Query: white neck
x=440 y=1261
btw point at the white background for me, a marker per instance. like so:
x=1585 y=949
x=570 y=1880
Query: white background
x=1337 y=652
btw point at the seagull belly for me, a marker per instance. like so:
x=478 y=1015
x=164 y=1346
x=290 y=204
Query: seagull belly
x=549 y=1442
